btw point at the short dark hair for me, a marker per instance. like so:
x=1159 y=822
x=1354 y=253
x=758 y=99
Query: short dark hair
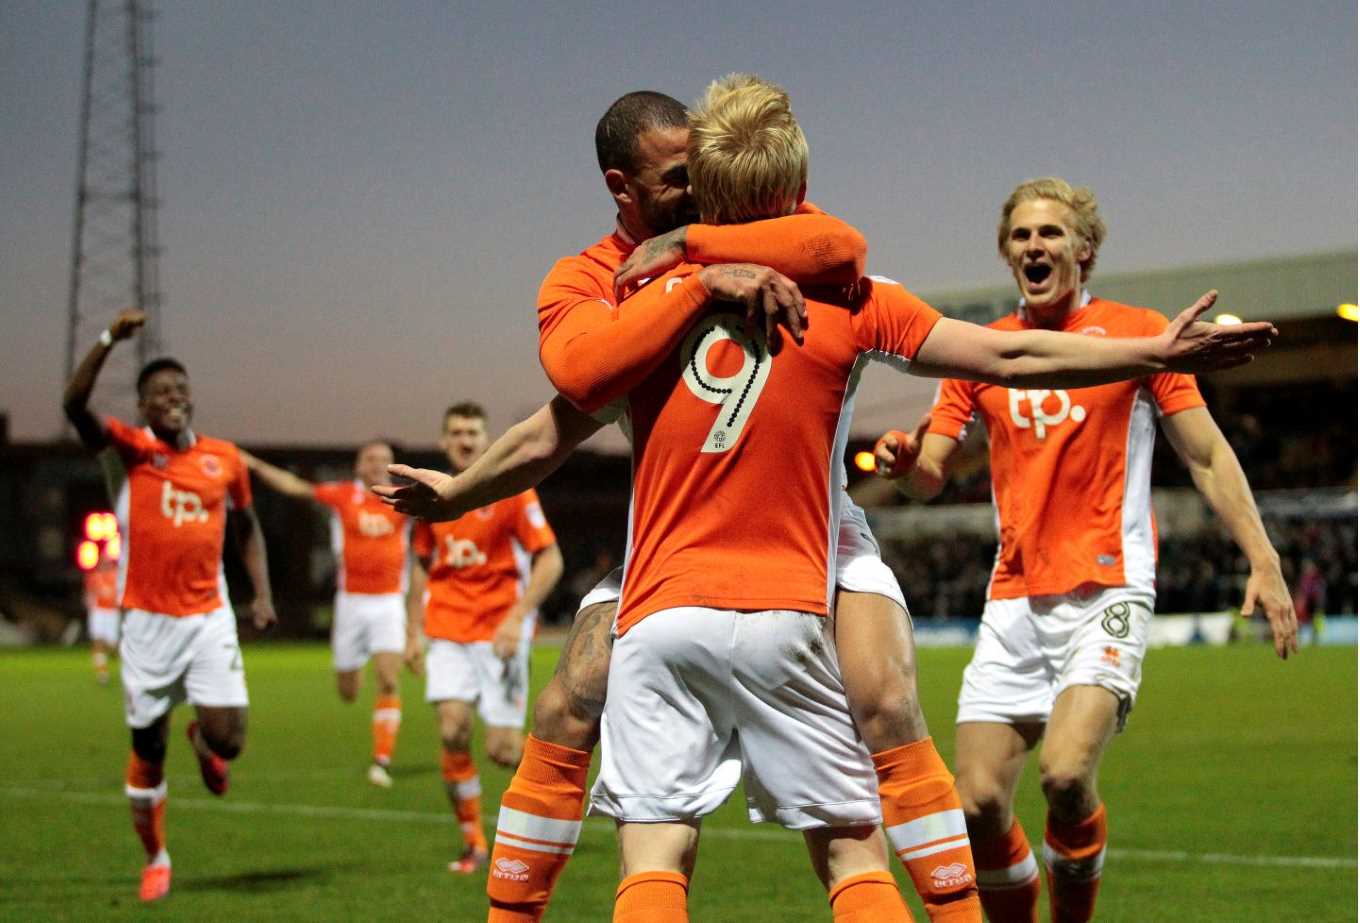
x=158 y=365
x=632 y=114
x=468 y=409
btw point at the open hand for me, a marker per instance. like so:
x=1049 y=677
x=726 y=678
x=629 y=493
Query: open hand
x=428 y=496
x=1266 y=586
x=1190 y=345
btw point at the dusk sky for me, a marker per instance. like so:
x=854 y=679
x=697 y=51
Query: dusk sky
x=360 y=199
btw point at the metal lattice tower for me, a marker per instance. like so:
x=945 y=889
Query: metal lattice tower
x=115 y=249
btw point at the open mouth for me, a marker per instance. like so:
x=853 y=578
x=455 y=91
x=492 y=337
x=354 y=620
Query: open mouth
x=1036 y=273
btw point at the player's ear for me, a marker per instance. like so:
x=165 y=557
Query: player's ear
x=617 y=184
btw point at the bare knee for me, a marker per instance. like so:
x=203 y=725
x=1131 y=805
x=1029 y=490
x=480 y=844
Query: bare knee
x=888 y=714
x=505 y=749
x=149 y=743
x=227 y=742
x=347 y=684
x=986 y=803
x=1069 y=787
x=566 y=720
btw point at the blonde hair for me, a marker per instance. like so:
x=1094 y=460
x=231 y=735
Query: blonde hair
x=1080 y=200
x=748 y=158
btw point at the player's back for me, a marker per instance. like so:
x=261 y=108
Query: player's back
x=738 y=456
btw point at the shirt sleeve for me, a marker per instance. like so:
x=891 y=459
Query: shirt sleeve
x=954 y=408
x=596 y=354
x=809 y=246
x=327 y=493
x=132 y=444
x=531 y=527
x=239 y=488
x=1173 y=391
x=892 y=323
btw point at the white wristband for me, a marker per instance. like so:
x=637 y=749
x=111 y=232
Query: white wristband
x=107 y=339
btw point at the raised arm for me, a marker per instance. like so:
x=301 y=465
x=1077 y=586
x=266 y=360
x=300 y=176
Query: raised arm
x=1047 y=359
x=520 y=459
x=76 y=398
x=285 y=482
x=1219 y=477
x=809 y=246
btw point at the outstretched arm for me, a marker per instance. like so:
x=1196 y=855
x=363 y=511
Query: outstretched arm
x=1218 y=475
x=76 y=399
x=285 y=482
x=1044 y=358
x=520 y=459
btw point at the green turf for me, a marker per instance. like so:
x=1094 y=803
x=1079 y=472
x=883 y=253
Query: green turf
x=1229 y=753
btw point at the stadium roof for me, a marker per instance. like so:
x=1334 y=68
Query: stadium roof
x=1278 y=289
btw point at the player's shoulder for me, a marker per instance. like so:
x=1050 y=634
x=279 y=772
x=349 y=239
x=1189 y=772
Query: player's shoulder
x=607 y=253
x=211 y=445
x=1121 y=319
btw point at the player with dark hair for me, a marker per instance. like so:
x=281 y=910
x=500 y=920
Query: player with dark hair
x=481 y=604
x=179 y=631
x=371 y=543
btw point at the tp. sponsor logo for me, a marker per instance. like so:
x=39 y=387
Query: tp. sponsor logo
x=953 y=875
x=181 y=506
x=511 y=869
x=1041 y=408
x=374 y=525
x=462 y=552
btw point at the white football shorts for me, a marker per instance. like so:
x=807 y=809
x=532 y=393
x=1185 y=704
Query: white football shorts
x=366 y=624
x=168 y=659
x=473 y=673
x=102 y=624
x=1032 y=648
x=701 y=698
x=859 y=564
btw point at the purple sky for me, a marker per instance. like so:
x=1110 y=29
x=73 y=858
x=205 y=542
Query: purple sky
x=360 y=200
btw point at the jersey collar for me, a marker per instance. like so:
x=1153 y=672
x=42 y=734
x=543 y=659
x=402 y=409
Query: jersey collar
x=1024 y=315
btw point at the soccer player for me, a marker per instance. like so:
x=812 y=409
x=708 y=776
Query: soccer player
x=480 y=621
x=102 y=615
x=1064 y=632
x=371 y=543
x=730 y=548
x=179 y=631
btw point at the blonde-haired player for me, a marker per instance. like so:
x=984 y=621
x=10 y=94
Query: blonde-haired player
x=710 y=557
x=1064 y=632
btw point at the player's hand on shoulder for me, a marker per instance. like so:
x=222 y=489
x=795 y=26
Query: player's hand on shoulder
x=128 y=322
x=772 y=299
x=1190 y=345
x=650 y=259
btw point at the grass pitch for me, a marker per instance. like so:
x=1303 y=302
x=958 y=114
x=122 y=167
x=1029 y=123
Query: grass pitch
x=1232 y=797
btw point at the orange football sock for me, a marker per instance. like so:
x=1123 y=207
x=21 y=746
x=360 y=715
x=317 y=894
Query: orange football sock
x=1008 y=877
x=146 y=795
x=386 y=723
x=924 y=820
x=1074 y=855
x=652 y=897
x=536 y=832
x=868 y=898
x=465 y=794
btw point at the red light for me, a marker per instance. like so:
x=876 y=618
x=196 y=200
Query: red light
x=87 y=555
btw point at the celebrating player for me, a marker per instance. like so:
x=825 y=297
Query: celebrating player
x=370 y=541
x=480 y=621
x=102 y=615
x=674 y=547
x=1064 y=632
x=179 y=631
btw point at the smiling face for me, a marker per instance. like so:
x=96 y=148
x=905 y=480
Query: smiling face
x=1045 y=254
x=165 y=403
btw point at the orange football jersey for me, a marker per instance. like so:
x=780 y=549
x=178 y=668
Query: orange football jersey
x=101 y=587
x=1071 y=469
x=738 y=454
x=370 y=539
x=172 y=512
x=474 y=578
x=577 y=319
